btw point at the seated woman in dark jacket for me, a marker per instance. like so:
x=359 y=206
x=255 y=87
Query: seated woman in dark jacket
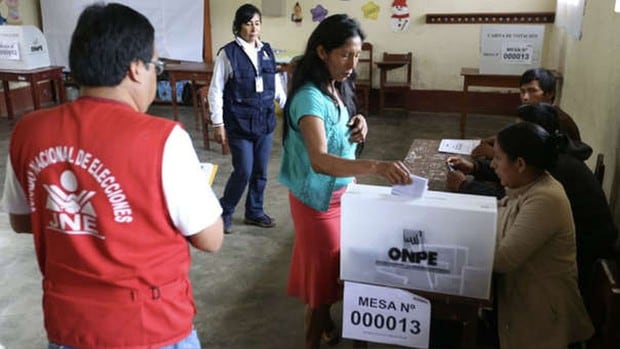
x=594 y=226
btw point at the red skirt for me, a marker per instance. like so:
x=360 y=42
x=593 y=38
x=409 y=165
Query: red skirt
x=315 y=265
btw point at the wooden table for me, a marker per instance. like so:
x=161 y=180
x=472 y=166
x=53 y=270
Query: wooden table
x=188 y=71
x=424 y=159
x=33 y=76
x=473 y=77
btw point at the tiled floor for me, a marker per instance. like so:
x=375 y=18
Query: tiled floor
x=240 y=291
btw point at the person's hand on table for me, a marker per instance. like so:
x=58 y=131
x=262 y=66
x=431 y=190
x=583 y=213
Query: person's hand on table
x=489 y=140
x=359 y=128
x=483 y=150
x=394 y=171
x=455 y=180
x=460 y=164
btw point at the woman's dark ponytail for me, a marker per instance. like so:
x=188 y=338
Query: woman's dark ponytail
x=532 y=143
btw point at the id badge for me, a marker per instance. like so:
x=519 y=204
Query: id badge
x=259 y=84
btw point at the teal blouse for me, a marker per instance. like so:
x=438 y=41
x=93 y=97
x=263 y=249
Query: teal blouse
x=296 y=173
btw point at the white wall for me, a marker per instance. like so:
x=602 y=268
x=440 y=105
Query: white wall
x=591 y=92
x=439 y=50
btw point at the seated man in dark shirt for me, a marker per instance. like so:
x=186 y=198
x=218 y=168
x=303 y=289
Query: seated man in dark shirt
x=536 y=86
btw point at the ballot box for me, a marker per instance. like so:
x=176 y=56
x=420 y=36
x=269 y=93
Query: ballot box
x=441 y=242
x=22 y=47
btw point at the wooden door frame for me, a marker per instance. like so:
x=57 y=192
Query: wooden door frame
x=207 y=55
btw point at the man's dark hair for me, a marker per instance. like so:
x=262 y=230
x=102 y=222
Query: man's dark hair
x=545 y=79
x=106 y=40
x=243 y=15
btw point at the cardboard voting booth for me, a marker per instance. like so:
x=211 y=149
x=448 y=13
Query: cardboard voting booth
x=441 y=242
x=510 y=49
x=23 y=47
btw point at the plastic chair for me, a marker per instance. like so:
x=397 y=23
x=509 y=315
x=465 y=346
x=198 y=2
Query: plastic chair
x=393 y=61
x=205 y=119
x=363 y=82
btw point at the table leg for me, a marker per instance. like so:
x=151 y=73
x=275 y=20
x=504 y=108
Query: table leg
x=7 y=99
x=173 y=93
x=470 y=329
x=464 y=108
x=34 y=89
x=61 y=96
x=195 y=103
x=382 y=92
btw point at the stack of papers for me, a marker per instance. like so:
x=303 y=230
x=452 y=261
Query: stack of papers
x=413 y=190
x=458 y=146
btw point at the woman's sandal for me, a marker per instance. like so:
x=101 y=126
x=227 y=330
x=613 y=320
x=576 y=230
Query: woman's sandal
x=331 y=337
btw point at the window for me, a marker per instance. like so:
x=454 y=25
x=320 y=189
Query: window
x=569 y=15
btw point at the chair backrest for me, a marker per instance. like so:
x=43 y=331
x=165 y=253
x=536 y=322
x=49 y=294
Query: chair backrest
x=400 y=57
x=364 y=65
x=603 y=302
x=203 y=93
x=599 y=168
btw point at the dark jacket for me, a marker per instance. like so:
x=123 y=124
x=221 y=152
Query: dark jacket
x=246 y=111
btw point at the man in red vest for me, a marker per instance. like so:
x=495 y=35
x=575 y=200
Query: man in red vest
x=112 y=196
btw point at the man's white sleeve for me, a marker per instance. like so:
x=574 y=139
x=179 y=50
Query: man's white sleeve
x=13 y=198
x=192 y=204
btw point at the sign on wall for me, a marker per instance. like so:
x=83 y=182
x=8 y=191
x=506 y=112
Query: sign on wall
x=510 y=49
x=178 y=26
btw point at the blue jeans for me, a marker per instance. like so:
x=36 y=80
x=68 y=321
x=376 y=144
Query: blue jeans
x=250 y=157
x=189 y=342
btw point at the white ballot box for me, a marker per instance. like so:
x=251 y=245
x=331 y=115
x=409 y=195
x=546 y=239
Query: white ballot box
x=441 y=242
x=22 y=47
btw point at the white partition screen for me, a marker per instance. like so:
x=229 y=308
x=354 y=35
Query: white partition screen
x=178 y=26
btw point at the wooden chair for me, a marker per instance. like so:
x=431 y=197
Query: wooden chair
x=363 y=82
x=604 y=304
x=393 y=61
x=205 y=119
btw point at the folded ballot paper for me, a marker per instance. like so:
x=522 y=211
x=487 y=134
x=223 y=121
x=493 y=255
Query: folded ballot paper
x=209 y=170
x=413 y=190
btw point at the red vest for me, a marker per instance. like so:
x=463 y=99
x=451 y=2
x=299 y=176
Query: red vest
x=115 y=268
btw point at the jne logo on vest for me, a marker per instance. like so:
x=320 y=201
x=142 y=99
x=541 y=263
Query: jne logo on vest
x=71 y=208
